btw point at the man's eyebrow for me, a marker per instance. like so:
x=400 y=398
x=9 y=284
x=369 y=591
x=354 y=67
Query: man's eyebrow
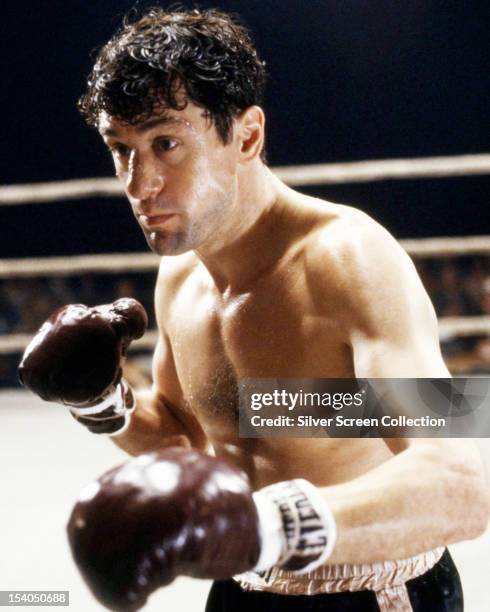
x=148 y=125
x=157 y=121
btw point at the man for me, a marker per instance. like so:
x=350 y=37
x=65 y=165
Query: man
x=257 y=280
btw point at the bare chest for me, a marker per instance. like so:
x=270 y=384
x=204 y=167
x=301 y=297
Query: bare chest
x=274 y=332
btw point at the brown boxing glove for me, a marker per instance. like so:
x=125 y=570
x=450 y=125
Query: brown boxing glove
x=181 y=512
x=75 y=359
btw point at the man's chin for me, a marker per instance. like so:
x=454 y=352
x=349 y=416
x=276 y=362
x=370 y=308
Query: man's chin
x=163 y=243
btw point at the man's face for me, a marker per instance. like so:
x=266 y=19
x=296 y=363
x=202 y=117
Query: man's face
x=178 y=176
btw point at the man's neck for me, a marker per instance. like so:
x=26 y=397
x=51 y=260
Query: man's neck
x=247 y=246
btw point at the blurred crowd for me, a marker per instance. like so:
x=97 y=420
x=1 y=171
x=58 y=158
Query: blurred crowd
x=457 y=287
x=460 y=287
x=25 y=303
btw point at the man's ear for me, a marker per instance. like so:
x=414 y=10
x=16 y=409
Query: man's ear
x=249 y=133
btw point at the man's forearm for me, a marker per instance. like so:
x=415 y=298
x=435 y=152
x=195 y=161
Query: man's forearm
x=154 y=426
x=416 y=501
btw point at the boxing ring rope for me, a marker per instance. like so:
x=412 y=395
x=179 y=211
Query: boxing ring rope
x=115 y=263
x=448 y=328
x=317 y=174
x=314 y=174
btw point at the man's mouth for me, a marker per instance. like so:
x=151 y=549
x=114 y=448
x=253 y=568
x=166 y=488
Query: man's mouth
x=155 y=220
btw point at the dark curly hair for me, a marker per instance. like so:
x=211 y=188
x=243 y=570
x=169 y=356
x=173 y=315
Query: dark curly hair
x=207 y=54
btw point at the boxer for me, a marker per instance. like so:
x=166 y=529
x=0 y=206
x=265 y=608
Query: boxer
x=255 y=280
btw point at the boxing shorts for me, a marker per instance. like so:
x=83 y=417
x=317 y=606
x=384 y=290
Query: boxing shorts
x=426 y=582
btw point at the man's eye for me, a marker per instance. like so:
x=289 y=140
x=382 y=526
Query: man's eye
x=119 y=149
x=166 y=144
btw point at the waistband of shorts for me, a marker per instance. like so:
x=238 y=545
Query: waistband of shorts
x=342 y=577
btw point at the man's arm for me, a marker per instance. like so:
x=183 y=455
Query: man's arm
x=431 y=492
x=160 y=419
x=157 y=421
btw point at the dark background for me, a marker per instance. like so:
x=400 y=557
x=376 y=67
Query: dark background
x=348 y=80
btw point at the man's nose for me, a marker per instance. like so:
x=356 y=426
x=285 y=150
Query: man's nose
x=144 y=179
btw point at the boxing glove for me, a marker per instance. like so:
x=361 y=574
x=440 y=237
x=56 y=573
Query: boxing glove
x=75 y=359
x=181 y=512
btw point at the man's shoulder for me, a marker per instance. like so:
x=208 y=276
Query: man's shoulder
x=355 y=268
x=348 y=242
x=363 y=281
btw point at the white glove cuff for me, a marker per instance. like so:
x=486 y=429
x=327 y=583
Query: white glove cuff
x=297 y=527
x=271 y=532
x=127 y=421
x=117 y=400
